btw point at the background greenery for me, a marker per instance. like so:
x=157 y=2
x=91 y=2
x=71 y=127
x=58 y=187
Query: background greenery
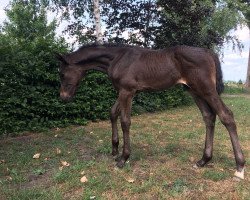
x=29 y=82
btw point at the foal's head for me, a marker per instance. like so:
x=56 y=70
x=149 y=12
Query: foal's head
x=70 y=76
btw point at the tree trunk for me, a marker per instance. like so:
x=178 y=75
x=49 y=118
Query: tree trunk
x=248 y=72
x=97 y=21
x=248 y=68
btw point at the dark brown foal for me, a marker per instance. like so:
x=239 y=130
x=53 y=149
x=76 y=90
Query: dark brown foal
x=132 y=69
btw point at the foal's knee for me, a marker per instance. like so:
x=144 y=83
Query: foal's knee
x=125 y=123
x=113 y=115
x=209 y=119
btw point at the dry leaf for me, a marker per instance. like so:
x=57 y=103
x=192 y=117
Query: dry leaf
x=58 y=151
x=191 y=159
x=9 y=178
x=56 y=136
x=130 y=180
x=61 y=168
x=82 y=173
x=65 y=163
x=37 y=155
x=92 y=197
x=2 y=161
x=84 y=179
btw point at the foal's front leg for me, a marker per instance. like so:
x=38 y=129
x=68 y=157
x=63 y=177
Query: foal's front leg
x=115 y=111
x=125 y=102
x=209 y=118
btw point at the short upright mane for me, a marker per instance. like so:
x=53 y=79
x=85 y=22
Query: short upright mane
x=107 y=45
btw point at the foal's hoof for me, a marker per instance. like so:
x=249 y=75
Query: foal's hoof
x=201 y=163
x=120 y=164
x=198 y=165
x=195 y=166
x=240 y=174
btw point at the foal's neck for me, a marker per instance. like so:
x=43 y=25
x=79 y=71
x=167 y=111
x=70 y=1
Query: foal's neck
x=99 y=59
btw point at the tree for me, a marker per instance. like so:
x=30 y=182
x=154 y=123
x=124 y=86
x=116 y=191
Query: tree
x=139 y=19
x=187 y=22
x=97 y=21
x=248 y=72
x=80 y=14
x=245 y=8
x=28 y=78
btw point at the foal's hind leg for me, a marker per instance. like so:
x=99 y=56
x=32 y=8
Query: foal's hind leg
x=115 y=111
x=209 y=118
x=125 y=103
x=227 y=119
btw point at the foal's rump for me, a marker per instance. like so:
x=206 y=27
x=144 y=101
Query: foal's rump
x=200 y=68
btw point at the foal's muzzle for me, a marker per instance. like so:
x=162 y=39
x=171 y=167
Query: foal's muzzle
x=65 y=96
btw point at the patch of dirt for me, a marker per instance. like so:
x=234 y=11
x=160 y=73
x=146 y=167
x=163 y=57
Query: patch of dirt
x=73 y=194
x=26 y=138
x=86 y=153
x=37 y=181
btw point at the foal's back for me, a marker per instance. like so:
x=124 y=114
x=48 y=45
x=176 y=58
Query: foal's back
x=143 y=69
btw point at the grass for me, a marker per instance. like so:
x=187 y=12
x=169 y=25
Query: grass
x=165 y=145
x=235 y=88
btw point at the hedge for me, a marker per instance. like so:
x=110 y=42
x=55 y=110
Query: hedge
x=29 y=91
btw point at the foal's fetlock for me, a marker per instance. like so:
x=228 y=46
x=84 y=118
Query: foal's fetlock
x=115 y=152
x=118 y=158
x=202 y=162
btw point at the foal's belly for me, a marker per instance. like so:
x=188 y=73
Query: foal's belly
x=161 y=82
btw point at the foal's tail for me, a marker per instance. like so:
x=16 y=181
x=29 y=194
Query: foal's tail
x=219 y=76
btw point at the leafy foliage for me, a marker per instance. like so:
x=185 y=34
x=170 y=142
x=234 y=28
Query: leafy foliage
x=29 y=82
x=187 y=22
x=157 y=23
x=139 y=19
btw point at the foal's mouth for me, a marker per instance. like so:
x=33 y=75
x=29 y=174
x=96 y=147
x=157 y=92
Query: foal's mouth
x=65 y=97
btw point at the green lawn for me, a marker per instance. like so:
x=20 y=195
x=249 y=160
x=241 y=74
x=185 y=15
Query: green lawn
x=165 y=145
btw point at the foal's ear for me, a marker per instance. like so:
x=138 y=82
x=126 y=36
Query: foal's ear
x=60 y=58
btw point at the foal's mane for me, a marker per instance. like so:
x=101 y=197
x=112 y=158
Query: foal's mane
x=89 y=45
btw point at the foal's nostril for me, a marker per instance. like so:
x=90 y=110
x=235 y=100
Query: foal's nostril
x=65 y=96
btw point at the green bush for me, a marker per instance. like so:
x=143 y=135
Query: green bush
x=29 y=91
x=29 y=81
x=29 y=95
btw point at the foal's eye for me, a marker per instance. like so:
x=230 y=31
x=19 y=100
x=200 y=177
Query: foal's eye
x=61 y=76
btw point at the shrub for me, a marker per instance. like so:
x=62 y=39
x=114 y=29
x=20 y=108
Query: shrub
x=29 y=81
